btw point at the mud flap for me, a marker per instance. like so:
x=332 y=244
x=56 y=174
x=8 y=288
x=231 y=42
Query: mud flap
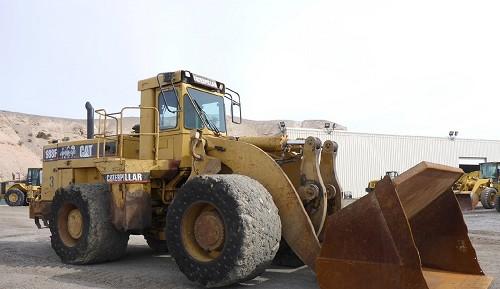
x=407 y=234
x=131 y=207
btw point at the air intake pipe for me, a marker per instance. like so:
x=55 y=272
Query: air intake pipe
x=90 y=120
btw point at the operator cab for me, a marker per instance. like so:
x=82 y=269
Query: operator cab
x=34 y=176
x=189 y=101
x=489 y=170
x=392 y=174
x=173 y=104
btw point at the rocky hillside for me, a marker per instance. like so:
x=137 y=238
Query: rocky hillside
x=22 y=136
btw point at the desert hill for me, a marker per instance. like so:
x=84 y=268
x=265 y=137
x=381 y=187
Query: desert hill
x=22 y=136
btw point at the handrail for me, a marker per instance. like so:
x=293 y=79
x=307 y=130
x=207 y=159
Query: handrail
x=118 y=117
x=156 y=132
x=102 y=113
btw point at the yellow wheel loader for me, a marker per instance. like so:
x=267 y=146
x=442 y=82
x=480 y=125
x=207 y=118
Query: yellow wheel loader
x=373 y=183
x=222 y=205
x=478 y=186
x=489 y=183
x=20 y=192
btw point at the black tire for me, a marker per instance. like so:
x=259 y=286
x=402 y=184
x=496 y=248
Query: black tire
x=286 y=257
x=21 y=197
x=488 y=198
x=497 y=203
x=99 y=241
x=252 y=228
x=158 y=246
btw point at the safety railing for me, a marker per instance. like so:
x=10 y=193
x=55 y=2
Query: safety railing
x=103 y=136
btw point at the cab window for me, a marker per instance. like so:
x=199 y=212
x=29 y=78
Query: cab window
x=167 y=105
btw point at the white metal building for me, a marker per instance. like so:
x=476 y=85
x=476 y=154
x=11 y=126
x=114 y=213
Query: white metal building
x=363 y=157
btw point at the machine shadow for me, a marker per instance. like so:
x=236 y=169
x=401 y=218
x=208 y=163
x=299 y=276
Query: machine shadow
x=139 y=268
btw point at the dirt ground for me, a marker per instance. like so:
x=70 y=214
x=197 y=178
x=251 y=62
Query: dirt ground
x=27 y=260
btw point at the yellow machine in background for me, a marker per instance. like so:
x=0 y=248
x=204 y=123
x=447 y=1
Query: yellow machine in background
x=223 y=205
x=20 y=192
x=478 y=186
x=373 y=183
x=489 y=176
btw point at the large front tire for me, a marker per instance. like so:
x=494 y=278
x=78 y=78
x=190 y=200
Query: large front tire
x=497 y=203
x=223 y=229
x=82 y=232
x=488 y=198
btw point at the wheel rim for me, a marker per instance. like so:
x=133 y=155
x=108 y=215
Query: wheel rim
x=13 y=198
x=492 y=198
x=75 y=223
x=203 y=232
x=70 y=224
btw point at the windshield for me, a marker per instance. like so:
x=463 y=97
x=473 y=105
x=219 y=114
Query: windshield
x=488 y=171
x=212 y=105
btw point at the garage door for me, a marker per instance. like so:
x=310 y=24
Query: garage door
x=470 y=164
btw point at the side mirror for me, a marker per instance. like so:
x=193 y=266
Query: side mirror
x=235 y=105
x=236 y=113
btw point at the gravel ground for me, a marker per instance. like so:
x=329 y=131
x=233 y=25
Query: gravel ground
x=27 y=260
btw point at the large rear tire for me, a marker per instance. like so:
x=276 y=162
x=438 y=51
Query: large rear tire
x=82 y=232
x=497 y=203
x=15 y=197
x=488 y=198
x=223 y=229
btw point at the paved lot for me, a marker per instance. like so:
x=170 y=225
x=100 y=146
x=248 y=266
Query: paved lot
x=27 y=260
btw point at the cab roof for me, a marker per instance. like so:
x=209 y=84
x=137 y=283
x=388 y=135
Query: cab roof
x=168 y=78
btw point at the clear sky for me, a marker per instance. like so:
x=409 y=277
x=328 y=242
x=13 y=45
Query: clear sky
x=405 y=67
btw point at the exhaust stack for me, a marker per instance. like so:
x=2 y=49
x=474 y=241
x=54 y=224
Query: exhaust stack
x=90 y=120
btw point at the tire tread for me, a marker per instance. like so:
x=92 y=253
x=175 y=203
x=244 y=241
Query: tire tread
x=250 y=213
x=486 y=196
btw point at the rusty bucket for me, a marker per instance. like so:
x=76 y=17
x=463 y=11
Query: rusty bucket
x=408 y=234
x=464 y=200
